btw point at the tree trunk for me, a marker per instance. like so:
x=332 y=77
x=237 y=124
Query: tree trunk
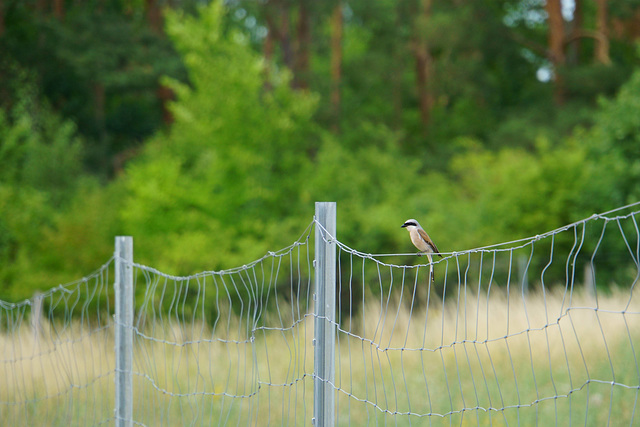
x=154 y=15
x=285 y=36
x=336 y=62
x=424 y=64
x=165 y=95
x=628 y=28
x=41 y=6
x=268 y=49
x=634 y=31
x=601 y=48
x=273 y=35
x=99 y=98
x=398 y=53
x=99 y=102
x=2 y=27
x=58 y=9
x=556 y=46
x=301 y=71
x=573 y=48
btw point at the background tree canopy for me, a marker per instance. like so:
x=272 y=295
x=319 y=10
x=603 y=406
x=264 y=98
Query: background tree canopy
x=207 y=130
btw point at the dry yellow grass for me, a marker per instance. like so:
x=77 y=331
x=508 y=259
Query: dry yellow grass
x=474 y=360
x=531 y=356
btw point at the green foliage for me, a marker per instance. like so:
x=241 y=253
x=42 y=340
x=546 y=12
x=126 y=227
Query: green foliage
x=238 y=171
x=99 y=67
x=511 y=193
x=479 y=73
x=38 y=149
x=42 y=169
x=522 y=193
x=372 y=185
x=616 y=137
x=205 y=194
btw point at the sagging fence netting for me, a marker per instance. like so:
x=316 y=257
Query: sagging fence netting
x=539 y=331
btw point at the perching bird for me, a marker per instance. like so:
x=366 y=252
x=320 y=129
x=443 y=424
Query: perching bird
x=421 y=240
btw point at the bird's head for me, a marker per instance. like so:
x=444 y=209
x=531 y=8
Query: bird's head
x=410 y=224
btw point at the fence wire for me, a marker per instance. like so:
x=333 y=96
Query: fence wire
x=57 y=358
x=226 y=348
x=539 y=331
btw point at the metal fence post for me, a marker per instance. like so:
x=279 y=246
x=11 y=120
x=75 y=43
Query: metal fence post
x=325 y=321
x=124 y=331
x=36 y=317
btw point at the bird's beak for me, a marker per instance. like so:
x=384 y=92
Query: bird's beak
x=403 y=225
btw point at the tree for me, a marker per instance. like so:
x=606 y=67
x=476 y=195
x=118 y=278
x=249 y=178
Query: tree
x=234 y=158
x=423 y=62
x=303 y=47
x=615 y=137
x=99 y=66
x=556 y=46
x=42 y=158
x=601 y=50
x=2 y=23
x=336 y=61
x=154 y=15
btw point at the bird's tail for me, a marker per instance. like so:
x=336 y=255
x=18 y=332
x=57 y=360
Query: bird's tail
x=430 y=258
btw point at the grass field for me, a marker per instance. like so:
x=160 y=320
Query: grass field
x=545 y=359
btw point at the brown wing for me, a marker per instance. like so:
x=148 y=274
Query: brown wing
x=426 y=237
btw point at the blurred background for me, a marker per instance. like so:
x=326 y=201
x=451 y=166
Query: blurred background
x=208 y=129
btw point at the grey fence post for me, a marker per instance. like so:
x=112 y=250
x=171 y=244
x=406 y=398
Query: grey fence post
x=325 y=321
x=124 y=331
x=36 y=317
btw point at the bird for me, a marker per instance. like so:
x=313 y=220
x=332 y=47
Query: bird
x=421 y=240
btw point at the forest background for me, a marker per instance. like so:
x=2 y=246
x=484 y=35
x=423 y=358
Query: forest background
x=206 y=130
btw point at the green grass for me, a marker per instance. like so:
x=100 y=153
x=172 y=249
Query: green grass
x=498 y=362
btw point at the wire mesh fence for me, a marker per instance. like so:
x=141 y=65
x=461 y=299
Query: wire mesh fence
x=228 y=347
x=532 y=332
x=57 y=355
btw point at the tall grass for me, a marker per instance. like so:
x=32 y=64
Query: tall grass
x=476 y=359
x=498 y=361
